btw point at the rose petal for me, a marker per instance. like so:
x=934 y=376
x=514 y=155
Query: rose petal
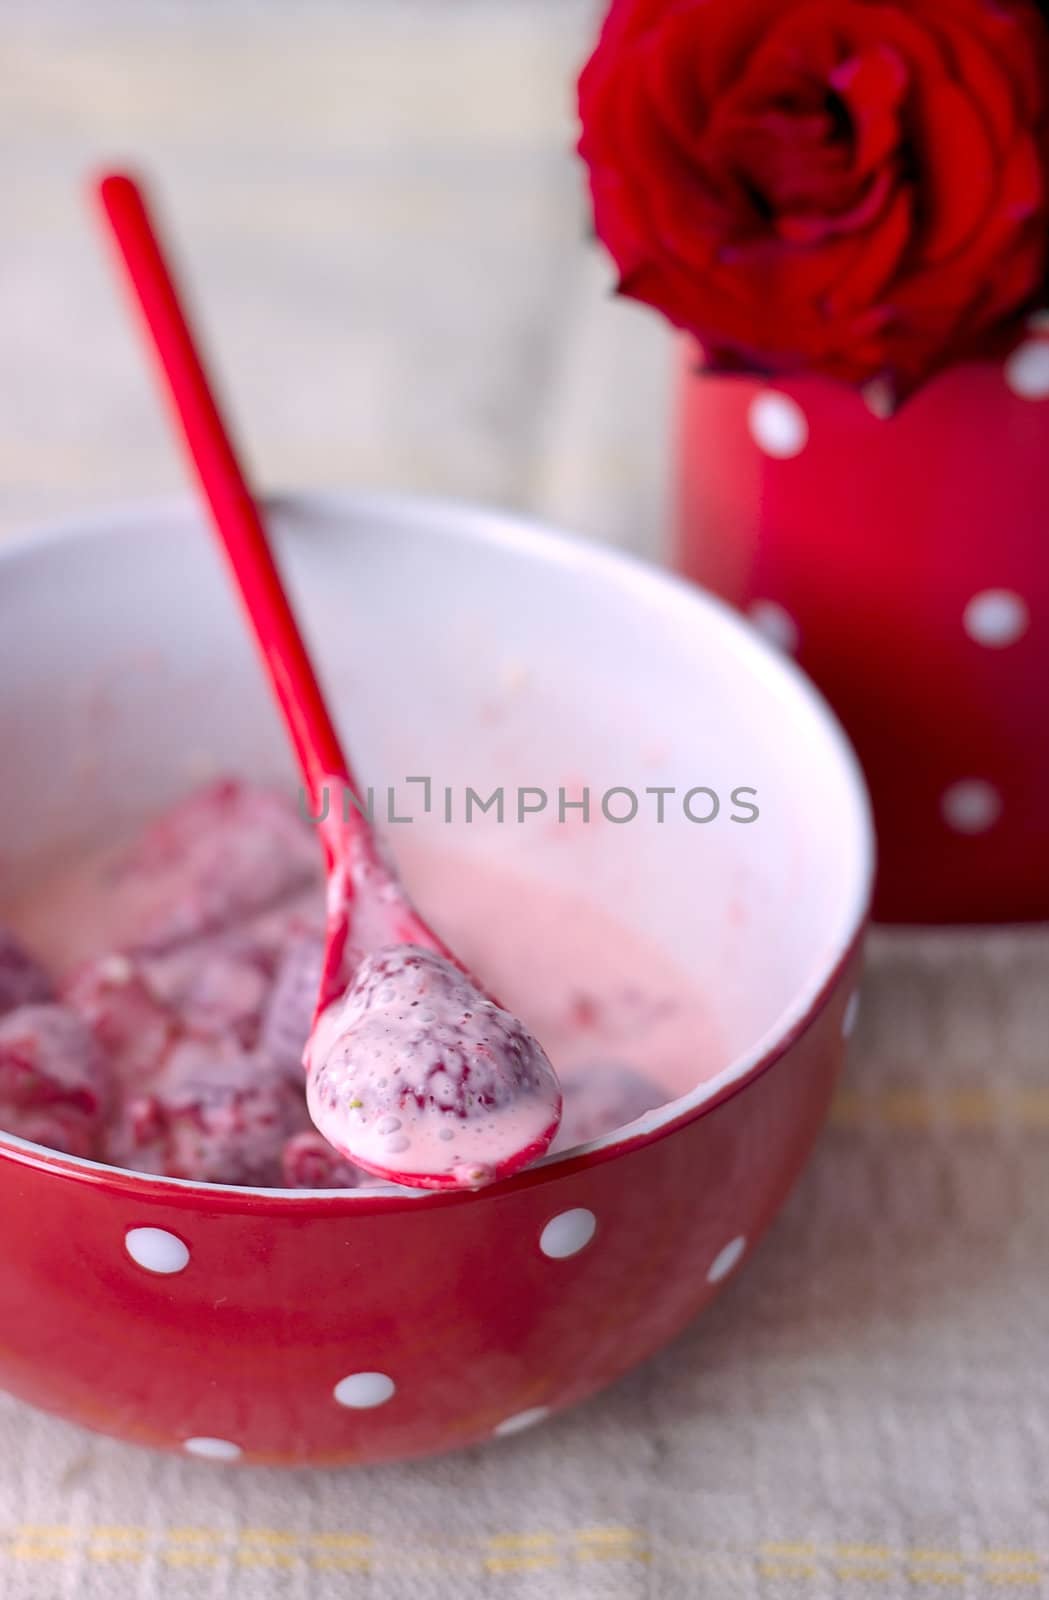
x=873 y=84
x=876 y=259
x=725 y=35
x=813 y=228
x=686 y=215
x=984 y=272
x=953 y=139
x=985 y=80
x=1008 y=39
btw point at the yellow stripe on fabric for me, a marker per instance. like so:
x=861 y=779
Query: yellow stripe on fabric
x=917 y=1109
x=854 y=1565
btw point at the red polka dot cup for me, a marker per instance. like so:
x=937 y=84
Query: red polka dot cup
x=904 y=563
x=326 y=1328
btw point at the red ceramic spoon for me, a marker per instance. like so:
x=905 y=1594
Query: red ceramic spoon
x=412 y=1071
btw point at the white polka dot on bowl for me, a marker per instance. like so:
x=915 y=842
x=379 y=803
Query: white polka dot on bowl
x=775 y=624
x=567 y=1234
x=971 y=806
x=995 y=618
x=777 y=424
x=362 y=1391
x=726 y=1259
x=157 y=1250
x=523 y=1419
x=1027 y=370
x=213 y=1449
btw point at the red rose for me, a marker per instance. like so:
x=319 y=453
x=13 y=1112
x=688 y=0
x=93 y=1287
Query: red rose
x=853 y=187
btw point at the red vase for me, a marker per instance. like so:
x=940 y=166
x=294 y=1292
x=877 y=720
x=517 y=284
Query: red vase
x=904 y=562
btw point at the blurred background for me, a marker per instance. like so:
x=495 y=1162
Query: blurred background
x=382 y=225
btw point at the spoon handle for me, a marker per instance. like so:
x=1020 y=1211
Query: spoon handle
x=229 y=500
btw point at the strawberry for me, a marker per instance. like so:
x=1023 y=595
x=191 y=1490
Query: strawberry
x=217 y=857
x=217 y=1113
x=222 y=984
x=217 y=987
x=309 y=1162
x=55 y=1085
x=131 y=1025
x=23 y=981
x=289 y=1010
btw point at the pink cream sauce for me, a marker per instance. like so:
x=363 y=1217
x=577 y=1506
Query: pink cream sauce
x=155 y=1002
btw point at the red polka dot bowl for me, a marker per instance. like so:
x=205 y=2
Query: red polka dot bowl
x=328 y=1328
x=903 y=562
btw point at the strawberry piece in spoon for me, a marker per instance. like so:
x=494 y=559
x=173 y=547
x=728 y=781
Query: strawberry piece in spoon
x=416 y=1073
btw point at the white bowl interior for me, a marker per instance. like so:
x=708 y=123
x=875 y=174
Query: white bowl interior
x=478 y=650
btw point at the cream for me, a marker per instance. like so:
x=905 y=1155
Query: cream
x=161 y=1019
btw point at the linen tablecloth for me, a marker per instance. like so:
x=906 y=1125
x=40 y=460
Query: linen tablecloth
x=387 y=240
